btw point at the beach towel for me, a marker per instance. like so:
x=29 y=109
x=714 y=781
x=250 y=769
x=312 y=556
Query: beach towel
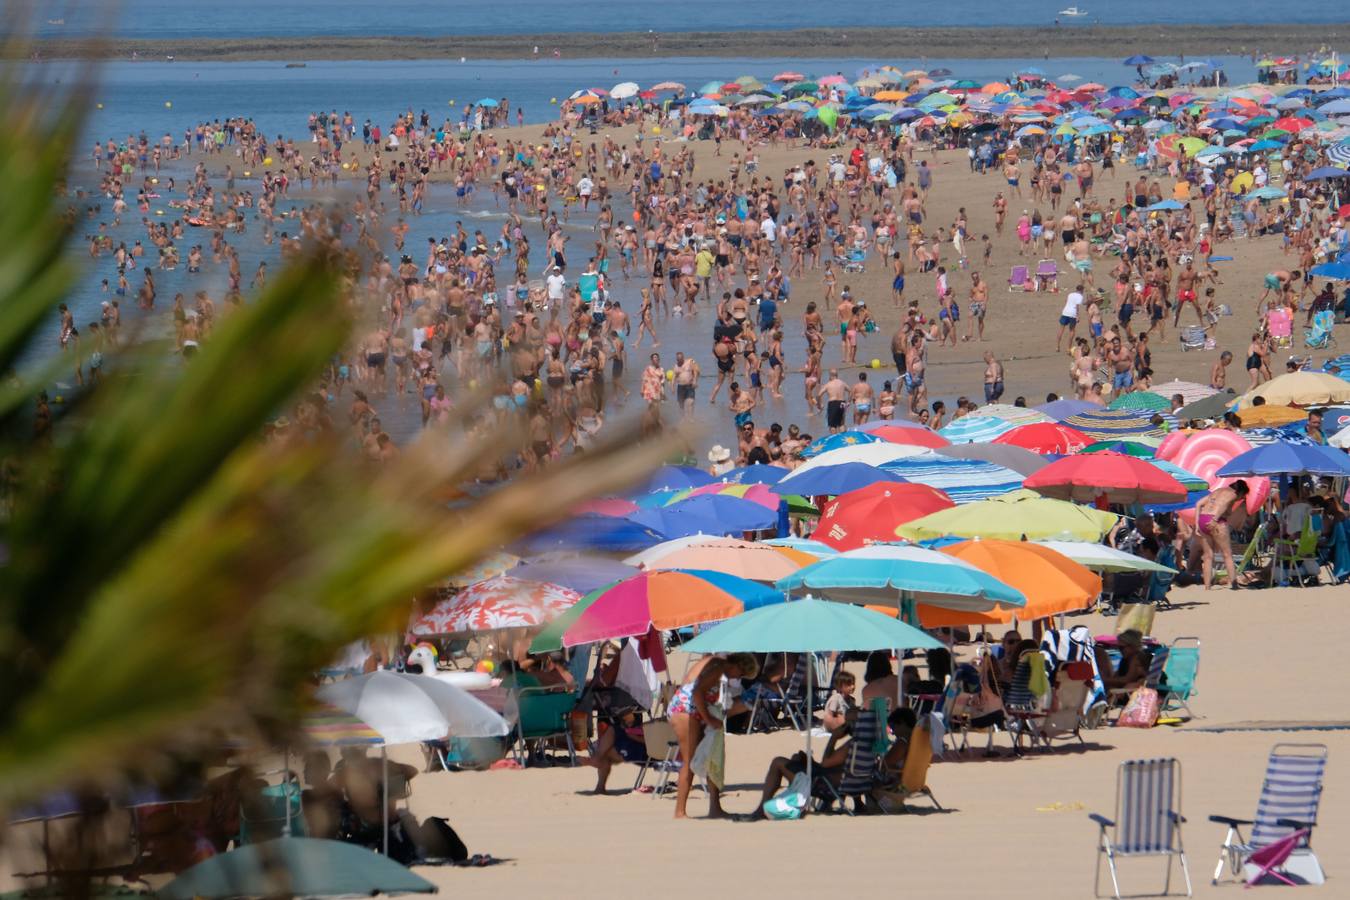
x=790 y=803
x=637 y=677
x=710 y=757
x=1037 y=683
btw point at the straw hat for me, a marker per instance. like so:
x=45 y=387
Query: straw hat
x=719 y=454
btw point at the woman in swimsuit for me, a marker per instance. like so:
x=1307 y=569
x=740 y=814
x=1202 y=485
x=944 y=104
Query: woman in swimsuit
x=1211 y=521
x=689 y=717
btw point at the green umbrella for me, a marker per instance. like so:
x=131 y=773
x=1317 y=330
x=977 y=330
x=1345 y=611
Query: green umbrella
x=305 y=867
x=1129 y=448
x=828 y=115
x=1142 y=400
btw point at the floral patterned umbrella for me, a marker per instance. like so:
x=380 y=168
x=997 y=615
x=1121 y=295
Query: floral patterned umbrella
x=501 y=602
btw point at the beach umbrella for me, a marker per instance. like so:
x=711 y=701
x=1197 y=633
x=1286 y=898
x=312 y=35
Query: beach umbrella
x=606 y=506
x=1051 y=582
x=624 y=90
x=1118 y=478
x=963 y=480
x=788 y=77
x=895 y=574
x=1326 y=172
x=975 y=429
x=872 y=513
x=755 y=493
x=1267 y=193
x=1190 y=391
x=1147 y=401
x=1105 y=424
x=594 y=532
x=676 y=478
x=1139 y=59
x=1013 y=516
x=744 y=559
x=1285 y=458
x=1015 y=459
x=735 y=513
x=828 y=116
x=1336 y=271
x=1211 y=407
x=1127 y=448
x=486 y=101
x=298 y=867
x=1103 y=558
x=1045 y=437
x=587 y=99
x=1271 y=415
x=502 y=602
x=486 y=568
x=907 y=434
x=1299 y=388
x=410 y=709
x=663 y=599
x=806 y=545
x=668 y=86
x=874 y=454
x=839 y=439
x=828 y=481
x=712 y=87
x=757 y=473
x=677 y=523
x=1061 y=409
x=581 y=574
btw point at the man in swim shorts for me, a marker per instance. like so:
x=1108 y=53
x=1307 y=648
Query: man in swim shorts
x=835 y=393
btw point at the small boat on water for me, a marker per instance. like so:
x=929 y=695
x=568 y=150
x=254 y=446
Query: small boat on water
x=295 y=65
x=1073 y=12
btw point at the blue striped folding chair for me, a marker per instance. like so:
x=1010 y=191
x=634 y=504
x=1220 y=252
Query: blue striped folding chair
x=1290 y=795
x=1147 y=822
x=861 y=773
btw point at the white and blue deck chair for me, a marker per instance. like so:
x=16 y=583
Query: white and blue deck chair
x=1290 y=795
x=861 y=773
x=1147 y=822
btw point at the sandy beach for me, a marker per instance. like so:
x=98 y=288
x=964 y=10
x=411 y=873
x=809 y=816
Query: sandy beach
x=884 y=42
x=1012 y=827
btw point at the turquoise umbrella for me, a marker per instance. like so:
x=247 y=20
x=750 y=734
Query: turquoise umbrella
x=302 y=867
x=810 y=626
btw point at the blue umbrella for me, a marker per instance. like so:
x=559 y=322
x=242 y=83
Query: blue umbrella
x=806 y=545
x=1061 y=409
x=676 y=523
x=580 y=574
x=1163 y=205
x=834 y=480
x=835 y=441
x=755 y=474
x=733 y=513
x=1337 y=271
x=1139 y=59
x=486 y=101
x=882 y=573
x=1283 y=458
x=676 y=478
x=596 y=532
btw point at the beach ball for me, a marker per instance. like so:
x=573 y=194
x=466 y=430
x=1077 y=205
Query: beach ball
x=876 y=364
x=656 y=129
x=267 y=160
x=485 y=666
x=168 y=104
x=670 y=374
x=552 y=99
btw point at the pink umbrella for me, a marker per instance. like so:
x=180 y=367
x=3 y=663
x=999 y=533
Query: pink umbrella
x=501 y=602
x=755 y=493
x=607 y=506
x=789 y=77
x=832 y=79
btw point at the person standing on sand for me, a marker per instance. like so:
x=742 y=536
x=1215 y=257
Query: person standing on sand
x=1068 y=316
x=690 y=717
x=979 y=303
x=835 y=394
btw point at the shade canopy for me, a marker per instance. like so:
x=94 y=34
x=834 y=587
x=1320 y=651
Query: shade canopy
x=744 y=559
x=1045 y=437
x=506 y=601
x=294 y=866
x=873 y=513
x=811 y=626
x=834 y=480
x=1101 y=558
x=1051 y=582
x=1283 y=458
x=1299 y=389
x=1014 y=516
x=582 y=574
x=409 y=709
x=1017 y=459
x=1119 y=478
x=880 y=574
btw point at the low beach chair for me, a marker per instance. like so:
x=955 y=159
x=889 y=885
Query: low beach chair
x=1321 y=336
x=542 y=715
x=663 y=755
x=861 y=773
x=1019 y=279
x=1024 y=710
x=855 y=261
x=1292 y=553
x=1181 y=669
x=1287 y=808
x=1253 y=548
x=1147 y=820
x=1066 y=716
x=1047 y=276
x=1157 y=674
x=914 y=775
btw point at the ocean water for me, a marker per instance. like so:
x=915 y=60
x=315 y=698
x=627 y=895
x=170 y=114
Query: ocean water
x=267 y=18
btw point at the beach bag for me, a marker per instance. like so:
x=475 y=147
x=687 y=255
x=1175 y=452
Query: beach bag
x=437 y=840
x=1142 y=709
x=792 y=801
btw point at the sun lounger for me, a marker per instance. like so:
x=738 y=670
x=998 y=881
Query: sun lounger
x=1147 y=820
x=1287 y=808
x=1047 y=276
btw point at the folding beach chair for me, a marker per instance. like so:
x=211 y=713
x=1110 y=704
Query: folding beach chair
x=1280 y=324
x=1181 y=669
x=1020 y=279
x=542 y=715
x=1292 y=553
x=1066 y=717
x=1024 y=710
x=1249 y=553
x=1321 y=336
x=663 y=755
x=861 y=773
x=914 y=776
x=1157 y=673
x=1287 y=808
x=1047 y=276
x=856 y=260
x=1147 y=821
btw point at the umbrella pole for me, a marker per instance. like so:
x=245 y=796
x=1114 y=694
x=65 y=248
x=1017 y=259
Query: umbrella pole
x=384 y=756
x=286 y=787
x=810 y=694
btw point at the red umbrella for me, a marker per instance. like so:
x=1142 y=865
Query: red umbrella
x=732 y=87
x=789 y=76
x=1045 y=437
x=1292 y=124
x=873 y=513
x=1089 y=477
x=916 y=437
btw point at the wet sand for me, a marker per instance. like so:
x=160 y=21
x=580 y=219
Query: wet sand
x=886 y=43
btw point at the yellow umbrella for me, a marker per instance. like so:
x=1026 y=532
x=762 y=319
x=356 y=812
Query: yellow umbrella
x=889 y=95
x=1241 y=182
x=1012 y=516
x=1271 y=416
x=1297 y=389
